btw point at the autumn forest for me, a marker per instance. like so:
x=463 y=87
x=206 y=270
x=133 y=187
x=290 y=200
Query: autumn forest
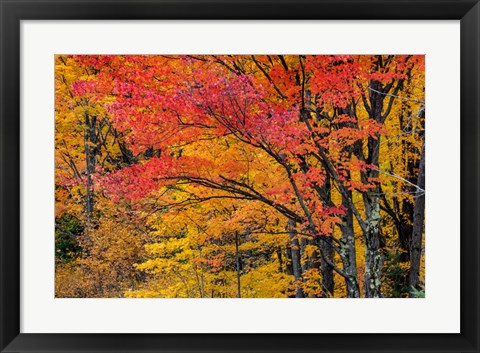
x=240 y=176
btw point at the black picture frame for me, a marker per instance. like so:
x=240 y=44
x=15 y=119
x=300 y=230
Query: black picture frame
x=14 y=11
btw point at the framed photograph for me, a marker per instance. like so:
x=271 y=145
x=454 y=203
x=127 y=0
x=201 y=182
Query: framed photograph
x=236 y=176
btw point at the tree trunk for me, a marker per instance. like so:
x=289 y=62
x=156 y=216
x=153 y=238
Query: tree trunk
x=296 y=265
x=289 y=262
x=304 y=261
x=91 y=150
x=373 y=264
x=373 y=256
x=328 y=283
x=237 y=261
x=418 y=222
x=90 y=154
x=278 y=251
x=348 y=253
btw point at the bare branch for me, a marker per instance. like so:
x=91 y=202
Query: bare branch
x=395 y=96
x=400 y=178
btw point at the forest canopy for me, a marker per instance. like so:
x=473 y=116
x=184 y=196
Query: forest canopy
x=240 y=176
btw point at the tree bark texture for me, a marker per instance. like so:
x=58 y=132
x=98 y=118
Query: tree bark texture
x=296 y=259
x=418 y=223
